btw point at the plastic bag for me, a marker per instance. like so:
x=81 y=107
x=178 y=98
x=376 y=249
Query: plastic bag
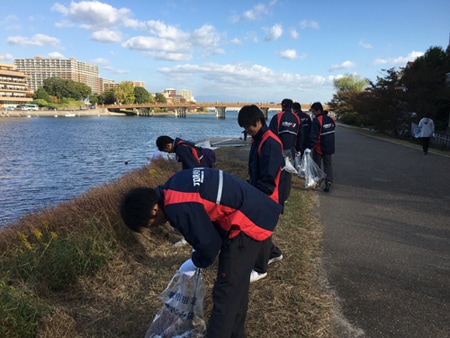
x=313 y=175
x=182 y=313
x=299 y=165
x=415 y=130
x=288 y=166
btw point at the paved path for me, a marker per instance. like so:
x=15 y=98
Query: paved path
x=387 y=237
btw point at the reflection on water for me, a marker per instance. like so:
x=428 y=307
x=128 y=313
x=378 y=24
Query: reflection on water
x=47 y=160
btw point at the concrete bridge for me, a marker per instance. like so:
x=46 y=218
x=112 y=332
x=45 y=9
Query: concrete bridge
x=180 y=109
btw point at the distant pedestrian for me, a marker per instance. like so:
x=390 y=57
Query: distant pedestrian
x=426 y=127
x=321 y=141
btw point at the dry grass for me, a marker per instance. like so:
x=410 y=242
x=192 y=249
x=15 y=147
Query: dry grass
x=120 y=299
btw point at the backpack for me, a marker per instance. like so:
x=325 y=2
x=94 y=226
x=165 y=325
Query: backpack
x=210 y=156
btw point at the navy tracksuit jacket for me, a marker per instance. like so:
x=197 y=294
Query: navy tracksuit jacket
x=208 y=205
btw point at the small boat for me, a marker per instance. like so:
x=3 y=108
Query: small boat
x=70 y=115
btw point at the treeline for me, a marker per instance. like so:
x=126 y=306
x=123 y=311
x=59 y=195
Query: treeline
x=57 y=91
x=392 y=102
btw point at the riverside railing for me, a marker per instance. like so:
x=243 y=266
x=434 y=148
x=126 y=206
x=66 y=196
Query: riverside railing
x=441 y=140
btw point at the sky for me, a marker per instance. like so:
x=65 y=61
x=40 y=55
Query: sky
x=229 y=50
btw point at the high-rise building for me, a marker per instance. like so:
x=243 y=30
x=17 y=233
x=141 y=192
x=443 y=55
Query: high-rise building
x=187 y=94
x=13 y=87
x=39 y=69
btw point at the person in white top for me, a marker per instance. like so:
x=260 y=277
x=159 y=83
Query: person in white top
x=426 y=126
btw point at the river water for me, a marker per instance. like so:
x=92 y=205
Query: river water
x=48 y=160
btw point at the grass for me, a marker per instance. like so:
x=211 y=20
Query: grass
x=76 y=271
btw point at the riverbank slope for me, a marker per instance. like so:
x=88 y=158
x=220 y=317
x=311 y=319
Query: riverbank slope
x=76 y=271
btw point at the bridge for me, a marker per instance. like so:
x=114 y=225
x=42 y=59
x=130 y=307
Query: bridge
x=181 y=109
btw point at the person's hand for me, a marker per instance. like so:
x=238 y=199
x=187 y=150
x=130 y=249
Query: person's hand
x=307 y=151
x=188 y=268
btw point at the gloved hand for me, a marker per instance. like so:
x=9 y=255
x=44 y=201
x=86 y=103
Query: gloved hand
x=188 y=268
x=307 y=151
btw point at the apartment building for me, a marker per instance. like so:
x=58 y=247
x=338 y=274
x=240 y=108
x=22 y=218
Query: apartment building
x=38 y=69
x=13 y=87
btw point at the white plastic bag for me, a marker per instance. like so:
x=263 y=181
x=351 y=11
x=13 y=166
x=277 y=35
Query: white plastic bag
x=313 y=175
x=288 y=166
x=182 y=314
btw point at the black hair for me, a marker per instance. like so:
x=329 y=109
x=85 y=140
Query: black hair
x=163 y=141
x=286 y=103
x=317 y=106
x=136 y=207
x=296 y=106
x=249 y=115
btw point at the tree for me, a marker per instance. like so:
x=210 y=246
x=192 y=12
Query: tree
x=124 y=92
x=62 y=88
x=160 y=98
x=387 y=96
x=107 y=97
x=425 y=86
x=348 y=88
x=41 y=94
x=141 y=95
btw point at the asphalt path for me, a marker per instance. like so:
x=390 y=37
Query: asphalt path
x=386 y=241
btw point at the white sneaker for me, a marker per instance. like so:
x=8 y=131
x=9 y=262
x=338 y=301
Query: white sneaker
x=181 y=242
x=254 y=276
x=275 y=259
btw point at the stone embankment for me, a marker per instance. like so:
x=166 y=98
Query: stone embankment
x=58 y=113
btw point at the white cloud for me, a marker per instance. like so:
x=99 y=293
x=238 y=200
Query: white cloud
x=274 y=33
x=94 y=15
x=256 y=13
x=343 y=65
x=290 y=54
x=236 y=41
x=294 y=34
x=398 y=61
x=56 y=55
x=251 y=81
x=7 y=57
x=37 y=40
x=309 y=24
x=365 y=44
x=106 y=35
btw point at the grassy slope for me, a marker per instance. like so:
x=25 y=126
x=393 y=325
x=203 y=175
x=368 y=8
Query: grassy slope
x=120 y=299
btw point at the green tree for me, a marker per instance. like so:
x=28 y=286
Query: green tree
x=348 y=90
x=124 y=92
x=62 y=88
x=425 y=85
x=41 y=94
x=160 y=98
x=387 y=96
x=107 y=97
x=141 y=95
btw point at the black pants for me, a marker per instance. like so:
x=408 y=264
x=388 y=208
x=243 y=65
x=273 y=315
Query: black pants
x=230 y=292
x=327 y=166
x=267 y=251
x=425 y=144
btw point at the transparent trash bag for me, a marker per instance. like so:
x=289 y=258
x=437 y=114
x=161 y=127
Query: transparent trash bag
x=311 y=172
x=182 y=315
x=289 y=166
x=299 y=165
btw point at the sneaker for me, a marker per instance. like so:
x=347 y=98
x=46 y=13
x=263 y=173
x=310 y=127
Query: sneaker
x=275 y=259
x=254 y=276
x=327 y=187
x=181 y=242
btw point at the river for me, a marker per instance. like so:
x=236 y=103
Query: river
x=48 y=160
